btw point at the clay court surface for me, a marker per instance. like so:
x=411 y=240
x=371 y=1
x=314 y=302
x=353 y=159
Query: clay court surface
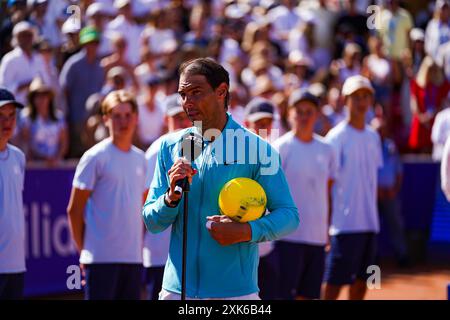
x=426 y=282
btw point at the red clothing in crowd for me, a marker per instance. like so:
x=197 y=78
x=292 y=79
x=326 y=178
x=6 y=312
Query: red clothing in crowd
x=432 y=95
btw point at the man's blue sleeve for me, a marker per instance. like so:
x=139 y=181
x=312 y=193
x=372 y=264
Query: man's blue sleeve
x=157 y=215
x=283 y=217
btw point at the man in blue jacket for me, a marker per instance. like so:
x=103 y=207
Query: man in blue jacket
x=222 y=255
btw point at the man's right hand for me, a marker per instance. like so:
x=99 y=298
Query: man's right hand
x=179 y=171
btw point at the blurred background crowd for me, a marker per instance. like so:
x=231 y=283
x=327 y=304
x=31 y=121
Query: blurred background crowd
x=61 y=57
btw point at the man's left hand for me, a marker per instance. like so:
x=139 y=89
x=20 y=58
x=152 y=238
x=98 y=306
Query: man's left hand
x=226 y=231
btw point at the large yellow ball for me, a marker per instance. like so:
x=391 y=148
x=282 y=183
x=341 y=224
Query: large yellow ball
x=242 y=199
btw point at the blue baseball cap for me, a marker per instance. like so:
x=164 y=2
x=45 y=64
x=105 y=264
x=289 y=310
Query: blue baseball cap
x=7 y=97
x=259 y=108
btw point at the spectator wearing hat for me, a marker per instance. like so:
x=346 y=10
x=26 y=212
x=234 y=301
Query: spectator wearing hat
x=42 y=127
x=116 y=79
x=81 y=76
x=437 y=32
x=310 y=166
x=156 y=246
x=417 y=37
x=412 y=59
x=354 y=218
x=126 y=26
x=298 y=71
x=12 y=226
x=19 y=66
x=259 y=117
x=97 y=16
x=71 y=43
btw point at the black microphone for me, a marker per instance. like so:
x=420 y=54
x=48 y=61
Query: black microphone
x=191 y=148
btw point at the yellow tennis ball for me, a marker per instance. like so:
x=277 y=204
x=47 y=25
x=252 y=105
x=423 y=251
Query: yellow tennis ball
x=243 y=200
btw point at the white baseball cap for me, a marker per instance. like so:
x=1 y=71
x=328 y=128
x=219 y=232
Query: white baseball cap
x=355 y=83
x=22 y=27
x=70 y=26
x=118 y=4
x=96 y=8
x=417 y=34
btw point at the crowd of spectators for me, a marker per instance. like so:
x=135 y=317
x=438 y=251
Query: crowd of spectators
x=60 y=57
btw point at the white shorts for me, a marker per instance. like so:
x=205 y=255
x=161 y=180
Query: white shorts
x=166 y=295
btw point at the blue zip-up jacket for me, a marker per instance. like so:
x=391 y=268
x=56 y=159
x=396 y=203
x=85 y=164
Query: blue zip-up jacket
x=215 y=271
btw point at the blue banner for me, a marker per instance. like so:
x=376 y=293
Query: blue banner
x=49 y=248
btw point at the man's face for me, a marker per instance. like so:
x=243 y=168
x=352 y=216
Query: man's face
x=303 y=115
x=7 y=121
x=121 y=121
x=25 y=39
x=199 y=100
x=91 y=47
x=359 y=102
x=261 y=127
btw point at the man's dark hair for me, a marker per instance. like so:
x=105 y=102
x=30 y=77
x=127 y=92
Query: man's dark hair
x=214 y=73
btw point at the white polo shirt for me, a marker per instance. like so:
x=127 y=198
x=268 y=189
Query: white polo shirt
x=308 y=168
x=12 y=219
x=114 y=227
x=354 y=196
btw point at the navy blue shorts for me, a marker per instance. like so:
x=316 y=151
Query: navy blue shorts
x=11 y=286
x=113 y=281
x=349 y=257
x=268 y=276
x=153 y=282
x=301 y=269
